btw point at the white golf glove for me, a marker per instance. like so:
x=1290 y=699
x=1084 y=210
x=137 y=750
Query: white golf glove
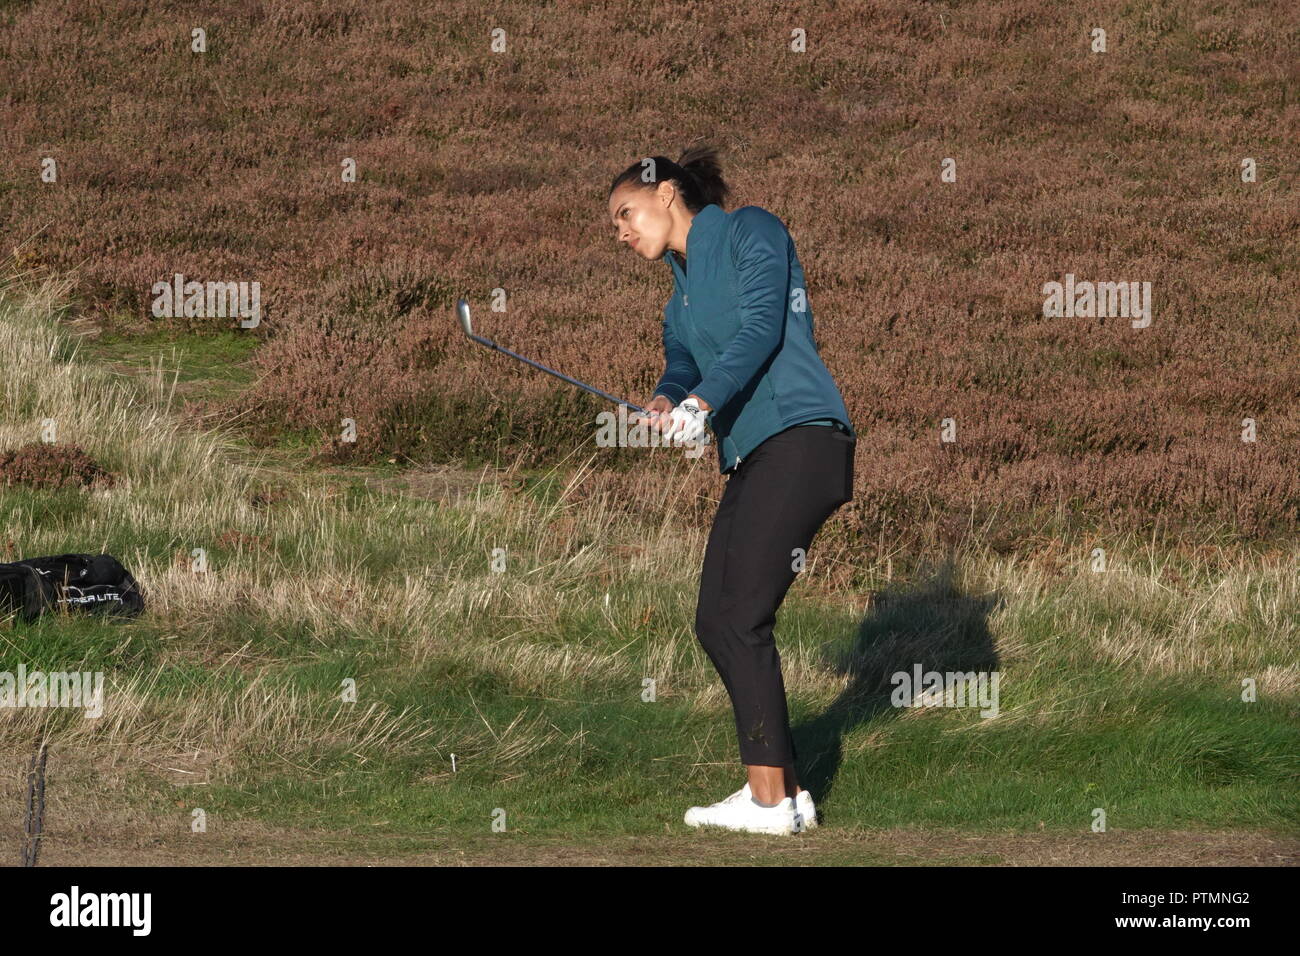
x=686 y=423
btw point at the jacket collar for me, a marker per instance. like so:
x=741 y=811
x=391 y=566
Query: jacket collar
x=705 y=227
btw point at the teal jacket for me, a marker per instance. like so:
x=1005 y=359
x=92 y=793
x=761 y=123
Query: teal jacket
x=738 y=332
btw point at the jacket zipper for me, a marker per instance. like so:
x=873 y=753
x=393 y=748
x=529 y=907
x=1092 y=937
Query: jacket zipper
x=686 y=303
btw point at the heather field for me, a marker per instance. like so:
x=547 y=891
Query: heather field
x=1102 y=506
x=479 y=170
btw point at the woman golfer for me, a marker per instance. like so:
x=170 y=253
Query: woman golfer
x=740 y=357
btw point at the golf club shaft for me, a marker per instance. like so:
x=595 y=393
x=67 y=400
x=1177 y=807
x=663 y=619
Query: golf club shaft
x=550 y=371
x=465 y=324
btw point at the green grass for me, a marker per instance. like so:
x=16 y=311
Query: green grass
x=217 y=362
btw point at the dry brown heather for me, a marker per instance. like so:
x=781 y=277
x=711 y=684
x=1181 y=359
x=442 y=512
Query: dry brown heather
x=42 y=465
x=480 y=170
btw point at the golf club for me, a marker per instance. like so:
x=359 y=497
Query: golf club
x=462 y=309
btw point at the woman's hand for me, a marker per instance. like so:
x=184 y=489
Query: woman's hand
x=687 y=421
x=658 y=411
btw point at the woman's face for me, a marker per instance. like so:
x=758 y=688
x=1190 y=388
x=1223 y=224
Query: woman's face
x=642 y=219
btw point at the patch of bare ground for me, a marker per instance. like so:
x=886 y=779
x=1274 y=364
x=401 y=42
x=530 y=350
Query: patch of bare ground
x=239 y=843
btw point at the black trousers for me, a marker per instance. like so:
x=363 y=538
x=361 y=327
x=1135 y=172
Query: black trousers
x=774 y=502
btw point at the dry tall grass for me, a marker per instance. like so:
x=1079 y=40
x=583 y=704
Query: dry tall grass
x=590 y=598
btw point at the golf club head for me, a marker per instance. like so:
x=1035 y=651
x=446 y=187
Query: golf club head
x=462 y=310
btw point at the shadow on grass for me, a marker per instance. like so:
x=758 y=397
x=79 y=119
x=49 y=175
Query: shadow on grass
x=927 y=622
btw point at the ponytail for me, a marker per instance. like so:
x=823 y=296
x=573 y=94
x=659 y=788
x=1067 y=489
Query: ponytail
x=697 y=173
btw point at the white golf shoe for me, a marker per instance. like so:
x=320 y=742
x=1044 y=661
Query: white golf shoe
x=740 y=812
x=805 y=809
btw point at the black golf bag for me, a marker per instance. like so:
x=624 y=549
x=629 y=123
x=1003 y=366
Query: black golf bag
x=77 y=582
